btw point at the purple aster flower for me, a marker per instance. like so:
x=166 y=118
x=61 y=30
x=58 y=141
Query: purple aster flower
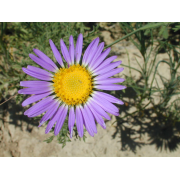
x=72 y=89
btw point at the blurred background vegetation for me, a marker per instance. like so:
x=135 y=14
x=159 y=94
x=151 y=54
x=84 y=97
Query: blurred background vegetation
x=156 y=108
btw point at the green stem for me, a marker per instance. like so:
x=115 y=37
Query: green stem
x=147 y=26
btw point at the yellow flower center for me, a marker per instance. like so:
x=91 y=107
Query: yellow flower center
x=73 y=85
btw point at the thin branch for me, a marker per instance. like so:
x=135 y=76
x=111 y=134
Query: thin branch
x=9 y=99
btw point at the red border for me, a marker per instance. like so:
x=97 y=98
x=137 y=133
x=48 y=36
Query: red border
x=89 y=168
x=90 y=11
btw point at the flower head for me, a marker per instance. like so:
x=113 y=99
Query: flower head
x=73 y=89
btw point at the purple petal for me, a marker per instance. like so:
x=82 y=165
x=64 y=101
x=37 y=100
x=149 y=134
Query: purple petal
x=35 y=98
x=96 y=107
x=86 y=122
x=51 y=111
x=71 y=49
x=42 y=109
x=98 y=118
x=42 y=63
x=79 y=45
x=104 y=63
x=36 y=90
x=88 y=50
x=79 y=121
x=92 y=51
x=65 y=52
x=39 y=70
x=90 y=118
x=97 y=54
x=35 y=83
x=108 y=68
x=38 y=105
x=115 y=113
x=107 y=106
x=109 y=74
x=100 y=59
x=56 y=53
x=45 y=58
x=37 y=75
x=110 y=98
x=61 y=120
x=109 y=81
x=55 y=118
x=71 y=121
x=110 y=87
x=50 y=125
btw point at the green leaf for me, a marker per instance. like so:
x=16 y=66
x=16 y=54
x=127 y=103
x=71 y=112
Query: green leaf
x=49 y=140
x=165 y=33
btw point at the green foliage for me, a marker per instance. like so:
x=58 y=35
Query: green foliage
x=151 y=101
x=143 y=42
x=177 y=27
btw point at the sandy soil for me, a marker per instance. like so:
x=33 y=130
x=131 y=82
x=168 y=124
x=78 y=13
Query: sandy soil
x=19 y=136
